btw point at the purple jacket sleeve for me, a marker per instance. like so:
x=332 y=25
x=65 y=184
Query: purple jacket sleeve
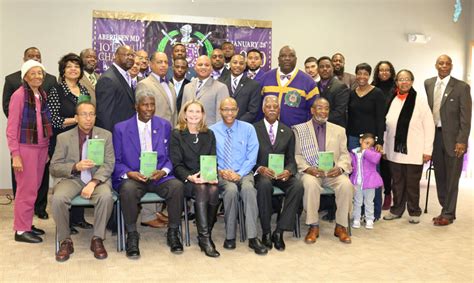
x=372 y=156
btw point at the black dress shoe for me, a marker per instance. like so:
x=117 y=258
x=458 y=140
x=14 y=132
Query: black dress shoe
x=28 y=237
x=42 y=215
x=267 y=240
x=83 y=224
x=277 y=239
x=174 y=242
x=73 y=230
x=131 y=247
x=229 y=244
x=36 y=231
x=257 y=246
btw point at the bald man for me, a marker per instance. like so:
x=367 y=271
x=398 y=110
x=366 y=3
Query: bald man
x=207 y=90
x=451 y=103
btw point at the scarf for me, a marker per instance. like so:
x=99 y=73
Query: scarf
x=308 y=148
x=29 y=131
x=403 y=120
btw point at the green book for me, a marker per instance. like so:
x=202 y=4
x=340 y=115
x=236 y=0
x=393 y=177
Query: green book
x=83 y=98
x=208 y=165
x=148 y=161
x=95 y=151
x=326 y=160
x=276 y=162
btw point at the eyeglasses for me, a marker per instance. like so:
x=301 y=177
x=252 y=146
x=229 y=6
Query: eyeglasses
x=86 y=115
x=404 y=80
x=229 y=109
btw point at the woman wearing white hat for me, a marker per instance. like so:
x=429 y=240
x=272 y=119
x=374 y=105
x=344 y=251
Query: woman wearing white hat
x=28 y=132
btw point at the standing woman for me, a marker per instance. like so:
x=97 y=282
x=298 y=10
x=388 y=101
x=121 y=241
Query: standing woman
x=366 y=114
x=189 y=141
x=384 y=79
x=28 y=132
x=62 y=101
x=408 y=144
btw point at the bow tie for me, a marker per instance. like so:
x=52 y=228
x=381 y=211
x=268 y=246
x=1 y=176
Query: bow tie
x=288 y=77
x=251 y=75
x=163 y=80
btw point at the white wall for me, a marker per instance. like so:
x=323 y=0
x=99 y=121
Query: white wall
x=363 y=30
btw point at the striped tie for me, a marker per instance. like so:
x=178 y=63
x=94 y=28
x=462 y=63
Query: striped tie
x=234 y=85
x=199 y=86
x=271 y=135
x=228 y=150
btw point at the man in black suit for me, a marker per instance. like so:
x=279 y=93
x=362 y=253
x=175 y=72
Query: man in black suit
x=244 y=90
x=12 y=83
x=217 y=62
x=451 y=103
x=336 y=92
x=229 y=51
x=114 y=94
x=180 y=68
x=276 y=138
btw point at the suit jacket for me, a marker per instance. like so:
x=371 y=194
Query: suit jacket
x=284 y=144
x=455 y=112
x=336 y=142
x=163 y=107
x=224 y=75
x=88 y=85
x=115 y=99
x=179 y=99
x=185 y=156
x=67 y=154
x=338 y=95
x=211 y=95
x=127 y=147
x=13 y=82
x=248 y=97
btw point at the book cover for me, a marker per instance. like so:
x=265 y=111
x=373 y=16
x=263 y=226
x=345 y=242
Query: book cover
x=148 y=161
x=208 y=165
x=96 y=151
x=276 y=162
x=326 y=160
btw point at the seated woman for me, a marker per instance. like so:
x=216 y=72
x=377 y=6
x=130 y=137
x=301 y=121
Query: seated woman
x=189 y=141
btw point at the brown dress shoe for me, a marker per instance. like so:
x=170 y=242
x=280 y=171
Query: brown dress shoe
x=155 y=223
x=313 y=234
x=341 y=232
x=65 y=250
x=442 y=221
x=97 y=246
x=162 y=217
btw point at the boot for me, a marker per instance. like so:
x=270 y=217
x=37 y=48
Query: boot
x=387 y=202
x=212 y=211
x=203 y=230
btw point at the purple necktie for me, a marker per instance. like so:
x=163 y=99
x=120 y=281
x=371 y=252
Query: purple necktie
x=86 y=175
x=321 y=137
x=251 y=75
x=271 y=135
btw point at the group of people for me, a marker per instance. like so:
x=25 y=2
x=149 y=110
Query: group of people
x=328 y=128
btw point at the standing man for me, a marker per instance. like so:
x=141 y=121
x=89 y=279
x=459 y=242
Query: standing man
x=12 y=83
x=237 y=149
x=143 y=63
x=276 y=138
x=254 y=63
x=115 y=97
x=296 y=90
x=229 y=50
x=217 y=62
x=315 y=136
x=180 y=68
x=244 y=90
x=78 y=175
x=348 y=79
x=90 y=77
x=158 y=85
x=311 y=68
x=334 y=91
x=207 y=90
x=145 y=132
x=451 y=103
x=134 y=72
x=179 y=52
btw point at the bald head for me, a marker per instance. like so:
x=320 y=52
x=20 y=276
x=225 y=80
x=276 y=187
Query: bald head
x=125 y=57
x=203 y=67
x=287 y=59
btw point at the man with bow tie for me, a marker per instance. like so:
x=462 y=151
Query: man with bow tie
x=254 y=63
x=218 y=65
x=244 y=90
x=295 y=89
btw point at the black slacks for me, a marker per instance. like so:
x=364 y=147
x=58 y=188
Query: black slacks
x=406 y=188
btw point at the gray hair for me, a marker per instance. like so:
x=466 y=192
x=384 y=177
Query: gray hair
x=142 y=95
x=268 y=97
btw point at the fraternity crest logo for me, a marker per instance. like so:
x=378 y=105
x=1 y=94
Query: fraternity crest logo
x=292 y=98
x=193 y=41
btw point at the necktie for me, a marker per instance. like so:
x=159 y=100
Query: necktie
x=128 y=79
x=134 y=84
x=251 y=75
x=146 y=143
x=234 y=85
x=321 y=138
x=163 y=80
x=216 y=74
x=199 y=86
x=228 y=150
x=86 y=175
x=288 y=77
x=438 y=96
x=271 y=135
x=92 y=79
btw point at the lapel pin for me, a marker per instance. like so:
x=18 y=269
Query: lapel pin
x=96 y=137
x=154 y=131
x=281 y=130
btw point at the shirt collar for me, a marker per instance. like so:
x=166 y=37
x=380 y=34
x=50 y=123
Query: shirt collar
x=239 y=77
x=159 y=79
x=317 y=124
x=124 y=73
x=292 y=72
x=445 y=80
x=141 y=124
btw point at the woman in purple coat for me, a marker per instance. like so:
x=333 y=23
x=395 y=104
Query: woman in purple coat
x=365 y=179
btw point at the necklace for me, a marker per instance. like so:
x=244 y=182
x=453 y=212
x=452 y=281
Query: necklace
x=197 y=139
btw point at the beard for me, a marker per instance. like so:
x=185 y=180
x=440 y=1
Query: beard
x=340 y=72
x=321 y=120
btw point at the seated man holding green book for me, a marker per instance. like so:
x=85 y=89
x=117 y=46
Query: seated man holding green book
x=83 y=162
x=276 y=166
x=322 y=158
x=142 y=164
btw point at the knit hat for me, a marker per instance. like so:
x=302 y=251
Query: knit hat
x=28 y=65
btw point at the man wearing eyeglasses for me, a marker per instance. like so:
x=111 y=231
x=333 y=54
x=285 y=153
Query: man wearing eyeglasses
x=79 y=175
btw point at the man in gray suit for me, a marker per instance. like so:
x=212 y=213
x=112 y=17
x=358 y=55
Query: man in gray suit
x=90 y=77
x=79 y=175
x=158 y=85
x=450 y=101
x=208 y=91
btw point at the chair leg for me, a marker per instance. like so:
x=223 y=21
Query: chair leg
x=187 y=237
x=119 y=229
x=297 y=232
x=349 y=228
x=56 y=241
x=122 y=224
x=243 y=233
